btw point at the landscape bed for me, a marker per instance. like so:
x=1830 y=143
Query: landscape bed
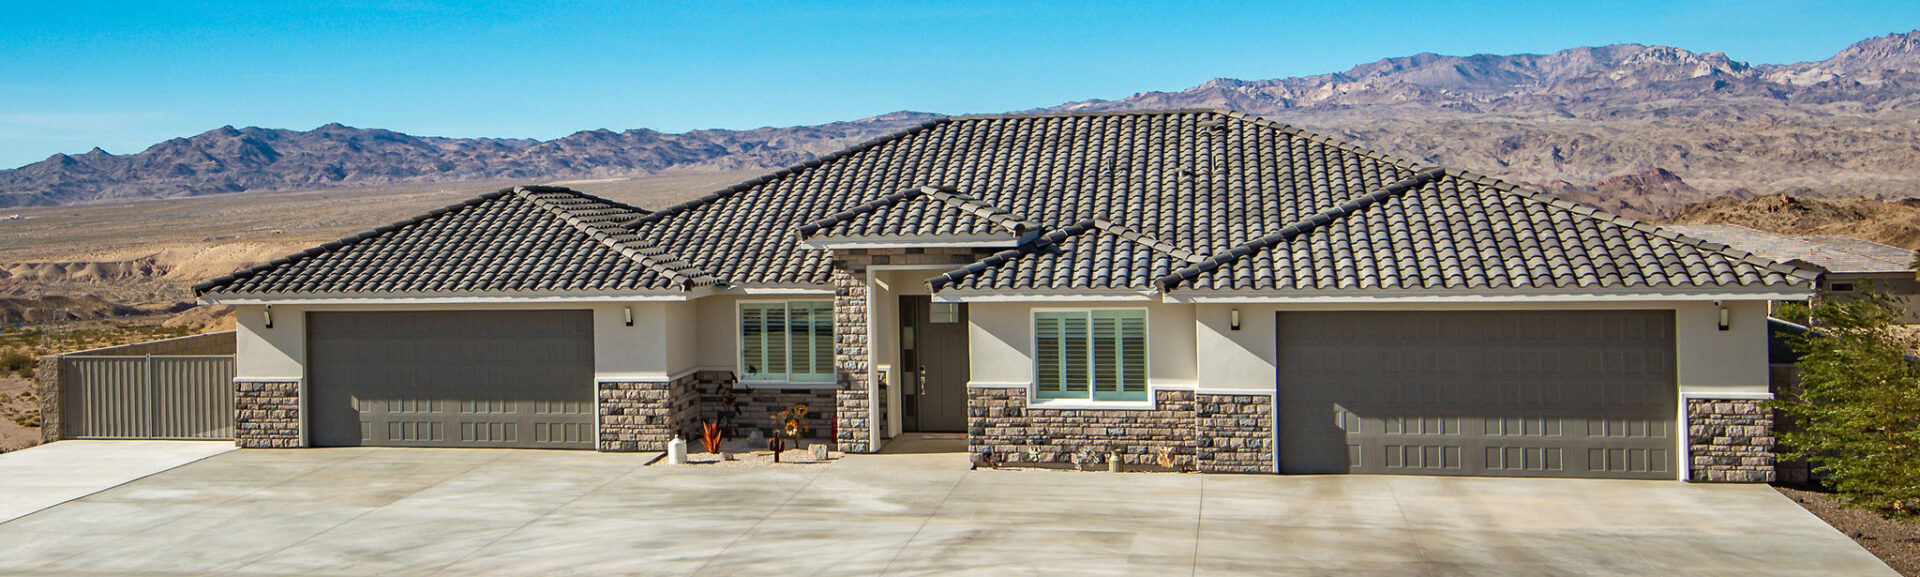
x=1895 y=543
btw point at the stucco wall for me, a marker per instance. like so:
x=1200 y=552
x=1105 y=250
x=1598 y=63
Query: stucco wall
x=654 y=348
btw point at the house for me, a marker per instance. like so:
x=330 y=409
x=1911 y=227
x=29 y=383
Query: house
x=1244 y=294
x=1847 y=266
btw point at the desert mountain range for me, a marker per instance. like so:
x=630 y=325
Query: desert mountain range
x=1640 y=130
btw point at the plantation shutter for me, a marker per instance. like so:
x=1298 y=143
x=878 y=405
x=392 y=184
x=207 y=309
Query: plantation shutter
x=1119 y=355
x=776 y=315
x=823 y=340
x=753 y=340
x=1060 y=354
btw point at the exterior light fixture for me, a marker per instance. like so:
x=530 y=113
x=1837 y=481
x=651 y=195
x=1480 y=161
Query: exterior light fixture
x=629 y=311
x=1724 y=320
x=266 y=315
x=1235 y=323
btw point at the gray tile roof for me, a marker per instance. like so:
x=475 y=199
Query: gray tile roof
x=1832 y=253
x=1446 y=230
x=1138 y=201
x=524 y=239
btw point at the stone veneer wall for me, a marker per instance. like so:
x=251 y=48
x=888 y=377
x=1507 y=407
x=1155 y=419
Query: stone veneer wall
x=266 y=414
x=644 y=415
x=999 y=421
x=852 y=358
x=46 y=381
x=1235 y=433
x=753 y=408
x=1730 y=440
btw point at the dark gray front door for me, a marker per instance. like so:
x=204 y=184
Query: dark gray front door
x=933 y=350
x=1533 y=393
x=520 y=379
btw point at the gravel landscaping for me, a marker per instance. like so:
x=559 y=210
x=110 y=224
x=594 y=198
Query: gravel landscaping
x=1897 y=544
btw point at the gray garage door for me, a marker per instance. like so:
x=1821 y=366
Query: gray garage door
x=452 y=379
x=1546 y=394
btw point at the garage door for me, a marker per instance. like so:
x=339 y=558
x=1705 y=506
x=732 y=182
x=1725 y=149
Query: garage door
x=1546 y=394
x=451 y=379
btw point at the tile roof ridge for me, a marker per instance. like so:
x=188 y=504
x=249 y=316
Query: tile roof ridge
x=1726 y=250
x=808 y=229
x=350 y=240
x=1300 y=227
x=999 y=258
x=1088 y=113
x=620 y=239
x=1151 y=243
x=664 y=213
x=990 y=212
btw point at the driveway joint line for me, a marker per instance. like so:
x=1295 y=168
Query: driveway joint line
x=256 y=560
x=538 y=518
x=756 y=524
x=923 y=522
x=115 y=486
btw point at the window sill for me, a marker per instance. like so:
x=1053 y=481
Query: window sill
x=1072 y=404
x=785 y=385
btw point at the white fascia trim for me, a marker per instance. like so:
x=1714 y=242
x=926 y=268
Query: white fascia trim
x=1725 y=396
x=851 y=242
x=477 y=298
x=782 y=290
x=1357 y=296
x=645 y=377
x=956 y=296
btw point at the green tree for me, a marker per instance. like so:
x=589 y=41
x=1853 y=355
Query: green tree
x=1858 y=404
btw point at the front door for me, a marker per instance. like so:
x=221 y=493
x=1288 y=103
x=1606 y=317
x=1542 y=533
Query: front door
x=933 y=357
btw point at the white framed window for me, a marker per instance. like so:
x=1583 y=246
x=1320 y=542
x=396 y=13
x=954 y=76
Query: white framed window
x=787 y=341
x=1090 y=355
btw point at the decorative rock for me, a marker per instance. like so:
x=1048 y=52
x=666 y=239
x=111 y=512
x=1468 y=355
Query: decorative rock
x=818 y=451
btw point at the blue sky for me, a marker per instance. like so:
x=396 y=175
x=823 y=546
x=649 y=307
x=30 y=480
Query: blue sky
x=124 y=76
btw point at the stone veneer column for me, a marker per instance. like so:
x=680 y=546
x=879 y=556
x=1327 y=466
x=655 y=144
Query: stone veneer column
x=644 y=415
x=1730 y=441
x=46 y=381
x=266 y=414
x=1234 y=433
x=851 y=361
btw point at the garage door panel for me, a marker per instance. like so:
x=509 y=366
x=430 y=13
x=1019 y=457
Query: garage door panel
x=1546 y=393
x=468 y=378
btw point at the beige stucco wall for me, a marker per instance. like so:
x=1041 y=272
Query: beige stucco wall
x=1707 y=359
x=653 y=348
x=1002 y=339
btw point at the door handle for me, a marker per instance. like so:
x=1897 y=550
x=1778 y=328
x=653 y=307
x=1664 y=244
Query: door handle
x=923 y=379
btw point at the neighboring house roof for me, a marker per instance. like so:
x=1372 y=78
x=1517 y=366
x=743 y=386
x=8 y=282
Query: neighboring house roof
x=1831 y=253
x=1128 y=201
x=523 y=239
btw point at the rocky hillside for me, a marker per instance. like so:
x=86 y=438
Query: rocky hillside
x=1896 y=224
x=231 y=159
x=1603 y=124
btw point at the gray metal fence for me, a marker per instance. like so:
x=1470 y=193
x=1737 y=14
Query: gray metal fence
x=148 y=397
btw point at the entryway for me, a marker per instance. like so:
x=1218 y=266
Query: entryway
x=933 y=357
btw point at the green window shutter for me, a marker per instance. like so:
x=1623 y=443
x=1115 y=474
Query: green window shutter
x=1075 y=347
x=800 y=337
x=753 y=349
x=776 y=318
x=1053 y=355
x=1120 y=355
x=823 y=340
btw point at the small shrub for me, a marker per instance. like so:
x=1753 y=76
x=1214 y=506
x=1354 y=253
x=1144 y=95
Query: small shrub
x=1858 y=404
x=18 y=362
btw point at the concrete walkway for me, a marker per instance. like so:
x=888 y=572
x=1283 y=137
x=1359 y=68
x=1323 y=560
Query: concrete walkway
x=40 y=477
x=504 y=512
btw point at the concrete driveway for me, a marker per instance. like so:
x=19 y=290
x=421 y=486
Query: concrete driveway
x=40 y=477
x=501 y=512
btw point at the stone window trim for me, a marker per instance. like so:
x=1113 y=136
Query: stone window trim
x=1034 y=399
x=823 y=380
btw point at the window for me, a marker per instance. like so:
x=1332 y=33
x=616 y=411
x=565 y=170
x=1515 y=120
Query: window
x=1098 y=355
x=788 y=341
x=941 y=313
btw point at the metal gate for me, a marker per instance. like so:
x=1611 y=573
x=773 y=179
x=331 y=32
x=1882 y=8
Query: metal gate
x=147 y=397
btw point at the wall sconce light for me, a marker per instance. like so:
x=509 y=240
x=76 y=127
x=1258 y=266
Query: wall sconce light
x=1724 y=320
x=266 y=315
x=1235 y=322
x=629 y=311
